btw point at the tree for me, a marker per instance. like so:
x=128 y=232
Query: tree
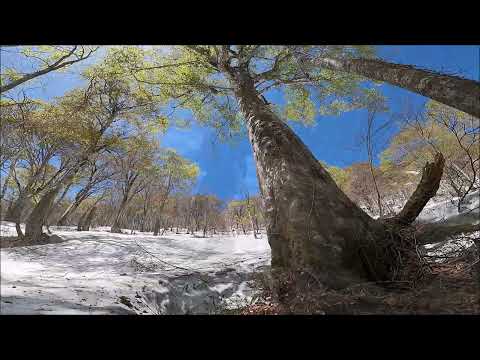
x=438 y=128
x=133 y=162
x=300 y=196
x=176 y=173
x=449 y=90
x=97 y=175
x=108 y=110
x=45 y=59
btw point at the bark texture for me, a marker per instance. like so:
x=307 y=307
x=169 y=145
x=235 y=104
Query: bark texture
x=462 y=94
x=311 y=224
x=426 y=189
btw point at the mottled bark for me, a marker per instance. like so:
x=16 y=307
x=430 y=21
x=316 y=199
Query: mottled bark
x=40 y=213
x=38 y=216
x=158 y=218
x=311 y=224
x=459 y=93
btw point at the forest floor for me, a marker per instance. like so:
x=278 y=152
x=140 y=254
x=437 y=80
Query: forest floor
x=99 y=272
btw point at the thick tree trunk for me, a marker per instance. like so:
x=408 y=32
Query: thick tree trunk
x=311 y=224
x=40 y=213
x=116 y=223
x=462 y=94
x=88 y=221
x=38 y=216
x=243 y=229
x=82 y=221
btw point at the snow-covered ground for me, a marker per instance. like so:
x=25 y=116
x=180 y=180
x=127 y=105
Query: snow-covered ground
x=98 y=272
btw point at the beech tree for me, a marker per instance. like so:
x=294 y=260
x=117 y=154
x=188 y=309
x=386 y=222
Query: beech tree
x=43 y=60
x=176 y=174
x=134 y=160
x=450 y=90
x=312 y=226
x=106 y=111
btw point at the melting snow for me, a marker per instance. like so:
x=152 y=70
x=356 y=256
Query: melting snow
x=98 y=272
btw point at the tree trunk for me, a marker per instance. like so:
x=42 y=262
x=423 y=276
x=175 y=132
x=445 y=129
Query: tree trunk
x=82 y=221
x=427 y=188
x=38 y=216
x=79 y=198
x=254 y=229
x=7 y=179
x=14 y=212
x=243 y=229
x=156 y=228
x=311 y=224
x=88 y=221
x=454 y=91
x=116 y=223
x=41 y=212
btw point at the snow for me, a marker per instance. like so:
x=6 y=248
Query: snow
x=436 y=211
x=91 y=272
x=98 y=272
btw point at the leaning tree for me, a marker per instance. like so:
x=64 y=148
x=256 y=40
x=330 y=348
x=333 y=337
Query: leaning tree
x=313 y=227
x=109 y=109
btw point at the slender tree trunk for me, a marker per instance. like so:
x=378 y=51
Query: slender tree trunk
x=156 y=227
x=462 y=94
x=158 y=220
x=243 y=229
x=79 y=198
x=7 y=179
x=254 y=229
x=311 y=224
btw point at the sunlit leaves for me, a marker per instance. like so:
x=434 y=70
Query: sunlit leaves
x=299 y=107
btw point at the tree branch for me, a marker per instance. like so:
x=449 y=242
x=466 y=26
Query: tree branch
x=55 y=66
x=426 y=189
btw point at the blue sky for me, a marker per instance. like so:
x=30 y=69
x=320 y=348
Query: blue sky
x=228 y=170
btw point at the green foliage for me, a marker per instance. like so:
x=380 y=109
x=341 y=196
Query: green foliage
x=28 y=60
x=188 y=77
